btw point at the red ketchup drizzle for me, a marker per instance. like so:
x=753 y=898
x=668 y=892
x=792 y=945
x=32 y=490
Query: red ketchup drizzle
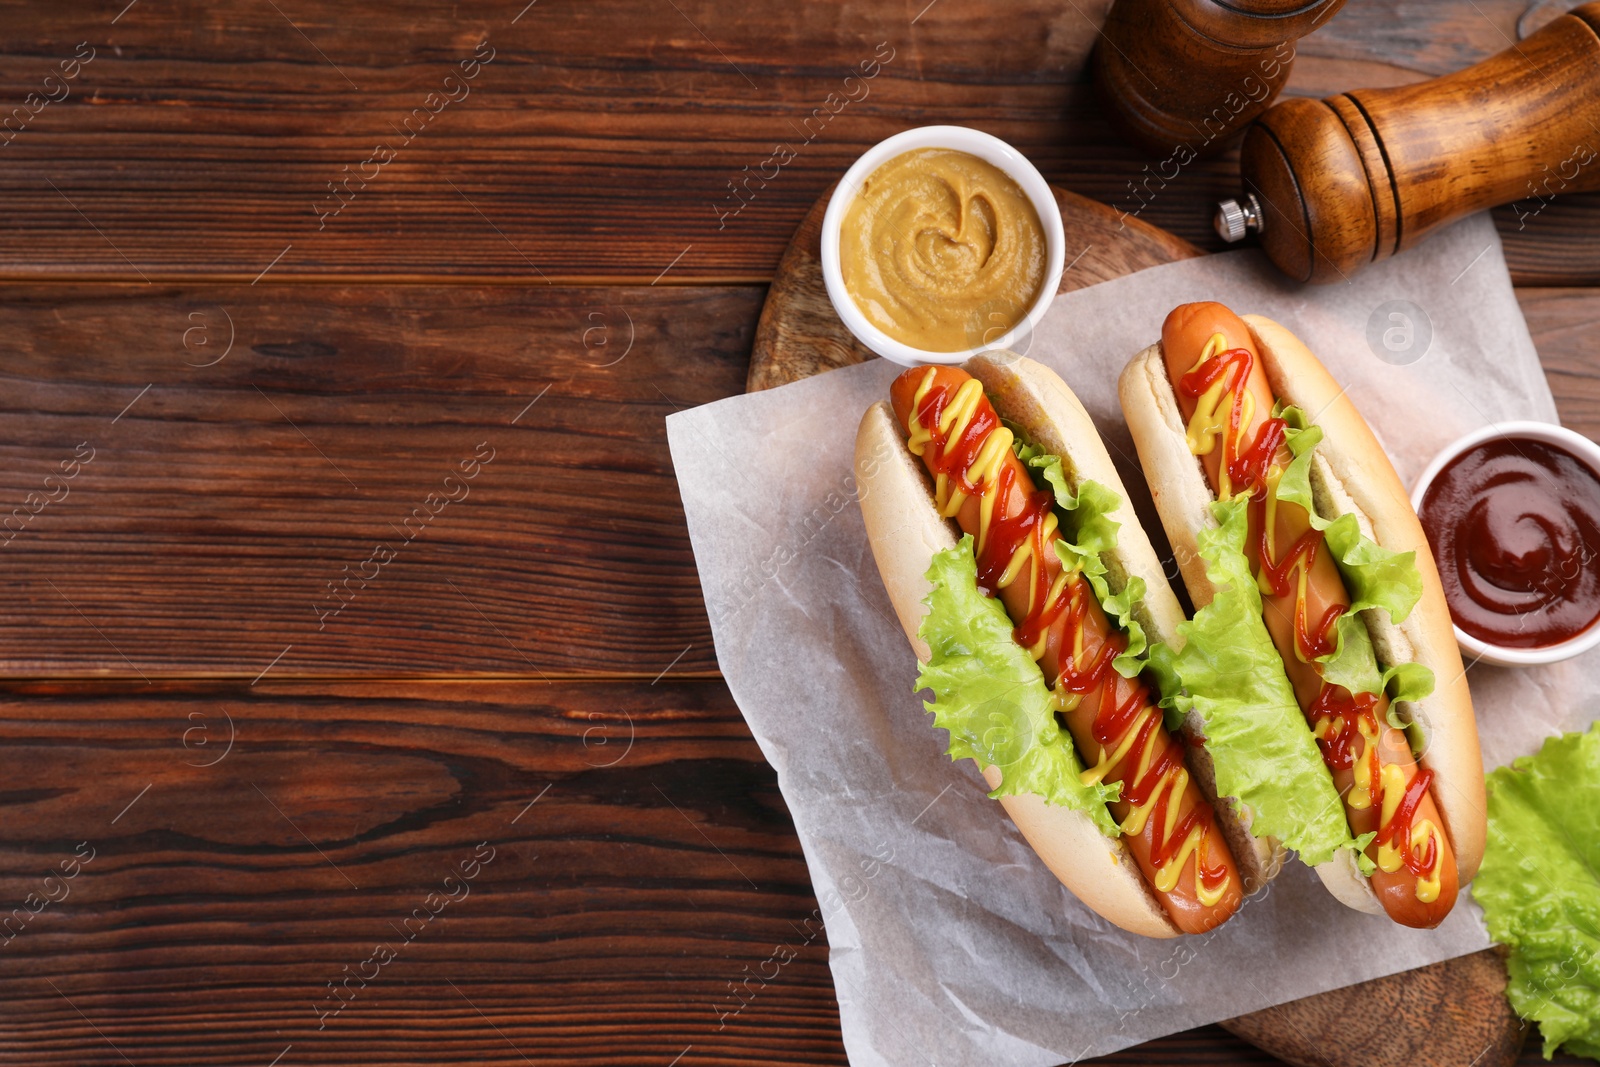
x=1113 y=719
x=1351 y=710
x=1397 y=831
x=952 y=458
x=1249 y=470
x=1250 y=467
x=1303 y=552
x=1006 y=535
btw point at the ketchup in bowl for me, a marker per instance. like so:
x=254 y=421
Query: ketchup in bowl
x=1514 y=524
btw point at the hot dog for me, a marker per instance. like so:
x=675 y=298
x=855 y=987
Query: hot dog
x=1184 y=877
x=1206 y=407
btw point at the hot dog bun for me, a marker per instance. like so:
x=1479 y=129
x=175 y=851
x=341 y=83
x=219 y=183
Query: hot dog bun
x=1350 y=474
x=905 y=530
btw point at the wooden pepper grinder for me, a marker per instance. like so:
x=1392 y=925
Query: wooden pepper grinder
x=1180 y=76
x=1332 y=185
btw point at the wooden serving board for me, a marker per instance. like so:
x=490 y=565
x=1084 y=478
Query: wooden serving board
x=1446 y=1015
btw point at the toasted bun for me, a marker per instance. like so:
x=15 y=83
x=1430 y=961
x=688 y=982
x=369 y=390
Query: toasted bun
x=905 y=529
x=1035 y=398
x=1350 y=474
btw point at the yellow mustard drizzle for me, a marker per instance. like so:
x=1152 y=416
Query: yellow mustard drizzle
x=1191 y=845
x=1362 y=793
x=1139 y=814
x=1205 y=427
x=1301 y=575
x=1393 y=784
x=983 y=473
x=1269 y=522
x=1109 y=758
x=920 y=434
x=1300 y=568
x=1210 y=418
x=1422 y=834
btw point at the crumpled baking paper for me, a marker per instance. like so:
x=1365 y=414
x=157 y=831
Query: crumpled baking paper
x=951 y=943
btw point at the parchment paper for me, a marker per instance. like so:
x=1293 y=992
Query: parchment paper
x=951 y=943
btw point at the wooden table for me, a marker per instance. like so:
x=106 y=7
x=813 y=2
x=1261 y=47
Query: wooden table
x=359 y=702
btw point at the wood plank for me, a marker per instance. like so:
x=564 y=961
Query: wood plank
x=210 y=906
x=202 y=531
x=201 y=536
x=1564 y=324
x=233 y=849
x=189 y=147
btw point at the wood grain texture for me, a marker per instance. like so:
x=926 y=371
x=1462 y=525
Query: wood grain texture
x=198 y=144
x=248 y=845
x=1447 y=1013
x=800 y=334
x=220 y=901
x=1360 y=176
x=1153 y=49
x=1564 y=324
x=184 y=542
x=596 y=146
x=202 y=535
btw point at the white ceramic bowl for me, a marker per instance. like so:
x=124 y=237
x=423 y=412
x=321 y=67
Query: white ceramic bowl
x=1575 y=443
x=987 y=148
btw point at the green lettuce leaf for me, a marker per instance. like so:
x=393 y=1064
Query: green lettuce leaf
x=1087 y=530
x=1355 y=666
x=1374 y=576
x=1364 y=862
x=1539 y=887
x=1232 y=673
x=1119 y=608
x=992 y=698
